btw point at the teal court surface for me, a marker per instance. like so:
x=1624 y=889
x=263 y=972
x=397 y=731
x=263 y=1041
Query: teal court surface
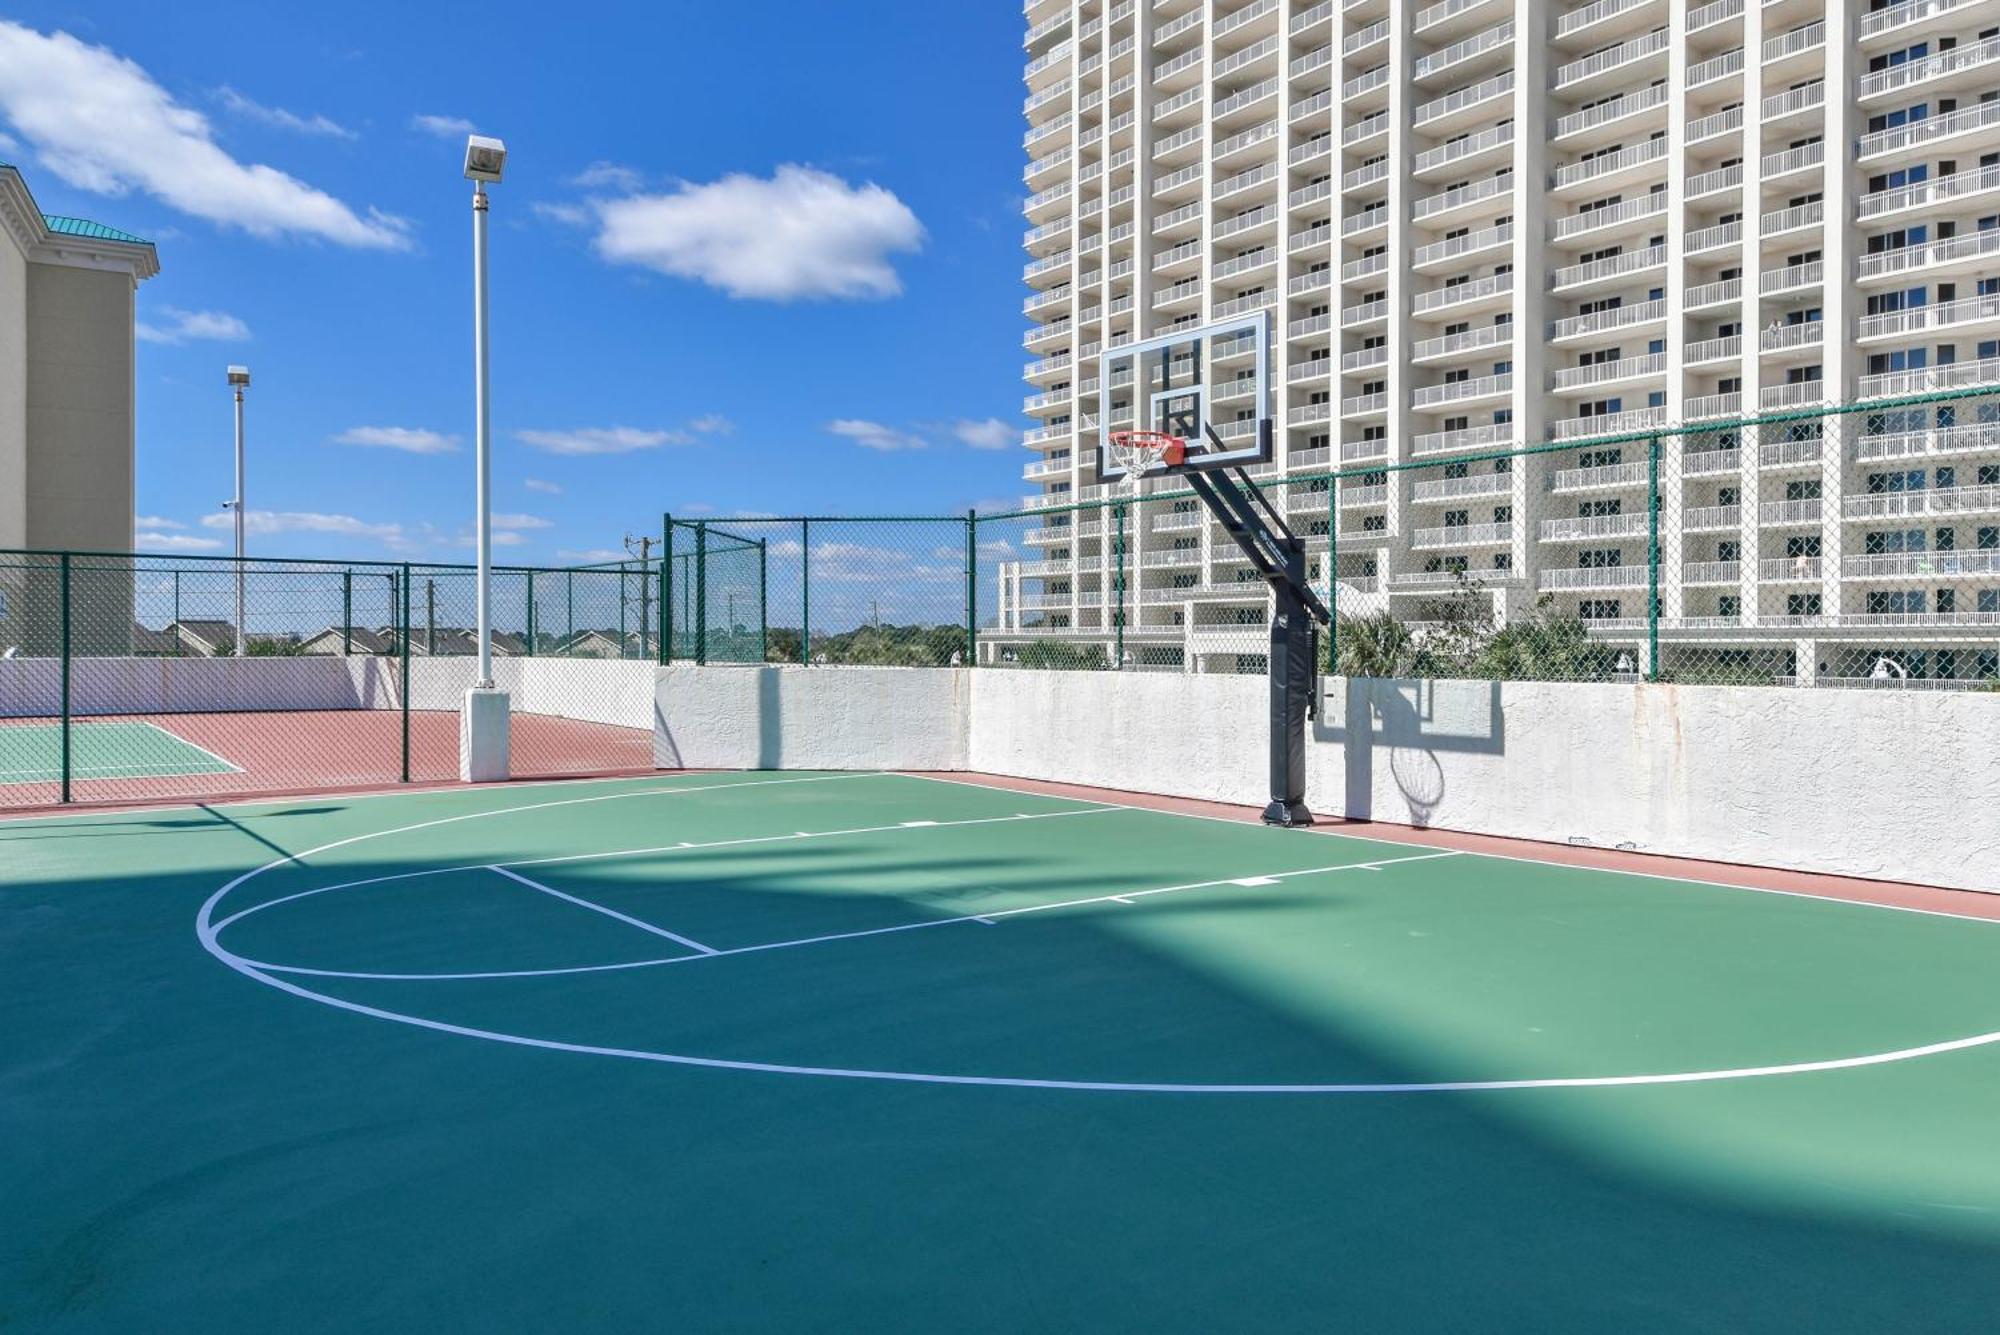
x=880 y=1052
x=31 y=753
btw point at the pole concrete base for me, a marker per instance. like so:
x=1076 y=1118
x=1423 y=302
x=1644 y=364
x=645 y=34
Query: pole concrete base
x=482 y=737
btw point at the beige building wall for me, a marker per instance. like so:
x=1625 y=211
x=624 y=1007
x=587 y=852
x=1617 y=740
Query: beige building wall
x=79 y=409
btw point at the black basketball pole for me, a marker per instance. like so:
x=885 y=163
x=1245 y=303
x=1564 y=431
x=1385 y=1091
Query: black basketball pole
x=1280 y=557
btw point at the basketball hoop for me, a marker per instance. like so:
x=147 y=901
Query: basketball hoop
x=1137 y=453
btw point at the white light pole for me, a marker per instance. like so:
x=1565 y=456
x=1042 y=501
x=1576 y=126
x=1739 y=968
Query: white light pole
x=483 y=726
x=239 y=380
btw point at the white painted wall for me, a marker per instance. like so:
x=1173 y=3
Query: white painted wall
x=32 y=687
x=1884 y=784
x=758 y=717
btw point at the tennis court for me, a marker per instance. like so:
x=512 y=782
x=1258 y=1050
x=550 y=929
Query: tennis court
x=855 y=1051
x=32 y=753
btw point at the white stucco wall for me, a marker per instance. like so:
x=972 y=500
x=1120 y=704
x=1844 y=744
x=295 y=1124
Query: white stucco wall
x=743 y=717
x=32 y=687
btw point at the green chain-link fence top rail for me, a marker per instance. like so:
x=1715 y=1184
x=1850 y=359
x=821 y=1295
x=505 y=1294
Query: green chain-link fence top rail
x=1850 y=544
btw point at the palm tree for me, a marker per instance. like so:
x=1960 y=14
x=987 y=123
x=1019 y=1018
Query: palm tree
x=1376 y=645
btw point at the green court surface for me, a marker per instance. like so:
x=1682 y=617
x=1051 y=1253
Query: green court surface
x=809 y=1052
x=32 y=753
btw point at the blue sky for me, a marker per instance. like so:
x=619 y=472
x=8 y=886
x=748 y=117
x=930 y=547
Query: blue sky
x=759 y=257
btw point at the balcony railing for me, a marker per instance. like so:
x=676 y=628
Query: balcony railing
x=1926 y=379
x=1606 y=164
x=1797 y=40
x=1629 y=210
x=1965 y=310
x=1973 y=245
x=1460 y=195
x=1440 y=298
x=1713 y=294
x=1719 y=237
x=1481 y=387
x=1365 y=128
x=1930 y=192
x=1619 y=317
x=1707 y=16
x=1627 y=104
x=1593 y=527
x=1716 y=67
x=1596 y=577
x=1715 y=126
x=1712 y=518
x=1714 y=182
x=1972 y=55
x=1707 y=407
x=1472 y=340
x=1794 y=159
x=1810 y=214
x=1465 y=49
x=1464 y=439
x=1795 y=393
x=1602 y=477
x=1585 y=15
x=1471 y=146
x=1626 y=368
x=1943 y=501
x=1460 y=99
x=1463 y=488
x=1790 y=277
x=1612 y=266
x=1471 y=243
x=1711 y=572
x=1625 y=53
x=1966 y=120
x=1794 y=100
x=1789 y=512
x=1804 y=334
x=1463 y=535
x=1607 y=424
x=1244 y=222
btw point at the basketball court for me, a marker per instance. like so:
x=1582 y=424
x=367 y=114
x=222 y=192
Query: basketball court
x=784 y=1051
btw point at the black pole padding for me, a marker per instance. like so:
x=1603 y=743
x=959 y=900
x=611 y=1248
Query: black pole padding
x=1291 y=674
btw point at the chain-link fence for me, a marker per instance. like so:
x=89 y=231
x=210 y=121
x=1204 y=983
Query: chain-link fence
x=126 y=676
x=1851 y=545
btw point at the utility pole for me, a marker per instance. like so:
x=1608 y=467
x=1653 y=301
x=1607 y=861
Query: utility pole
x=431 y=617
x=642 y=547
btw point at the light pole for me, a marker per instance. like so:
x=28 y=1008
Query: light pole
x=484 y=160
x=239 y=380
x=483 y=726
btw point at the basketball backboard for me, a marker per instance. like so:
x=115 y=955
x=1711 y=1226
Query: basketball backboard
x=1187 y=382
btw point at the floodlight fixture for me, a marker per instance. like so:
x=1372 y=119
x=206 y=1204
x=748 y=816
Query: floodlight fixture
x=484 y=158
x=239 y=376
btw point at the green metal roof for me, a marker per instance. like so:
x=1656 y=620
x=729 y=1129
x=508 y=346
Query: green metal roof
x=94 y=230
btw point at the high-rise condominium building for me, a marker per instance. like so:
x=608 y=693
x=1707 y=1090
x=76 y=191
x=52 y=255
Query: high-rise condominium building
x=1483 y=223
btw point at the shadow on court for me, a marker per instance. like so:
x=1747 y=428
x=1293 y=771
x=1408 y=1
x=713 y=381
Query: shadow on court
x=203 y=1152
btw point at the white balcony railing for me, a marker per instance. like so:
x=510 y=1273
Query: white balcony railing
x=1629 y=210
x=1617 y=57
x=1600 y=322
x=1627 y=104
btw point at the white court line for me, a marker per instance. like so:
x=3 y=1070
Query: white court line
x=646 y=852
x=643 y=926
x=990 y=918
x=206 y=929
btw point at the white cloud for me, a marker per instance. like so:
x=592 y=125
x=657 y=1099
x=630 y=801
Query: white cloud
x=281 y=119
x=592 y=555
x=569 y=215
x=514 y=523
x=600 y=440
x=546 y=488
x=874 y=435
x=409 y=439
x=713 y=424
x=608 y=176
x=157 y=521
x=990 y=434
x=175 y=542
x=803 y=233
x=266 y=522
x=180 y=326
x=444 y=127
x=100 y=123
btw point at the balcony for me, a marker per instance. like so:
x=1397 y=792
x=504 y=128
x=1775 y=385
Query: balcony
x=1361 y=131
x=1363 y=359
x=1974 y=120
x=1711 y=407
x=1783 y=47
x=1711 y=572
x=1582 y=379
x=1795 y=394
x=1244 y=222
x=1463 y=535
x=1462 y=196
x=1607 y=424
x=1711 y=463
x=1460 y=294
x=1605 y=113
x=1595 y=577
x=1462 y=488
x=1707 y=350
x=1971 y=58
x=1603 y=322
x=1794 y=101
x=1712 y=518
x=1615 y=61
x=1498 y=435
x=1790 y=569
x=1796 y=218
x=1715 y=182
x=1595 y=171
x=1611 y=267
x=1364 y=405
x=1447 y=58
x=1927 y=379
x=1594 y=527
x=1957 y=250
x=1452 y=393
x=1589 y=16
x=1715 y=68
x=1589 y=221
x=1940 y=503
x=1728 y=292
x=1449 y=14
x=1362 y=314
x=1806 y=157
x=1601 y=478
x=1921 y=565
x=1938 y=442
x=1791 y=278
x=1439 y=253
x=1944 y=315
x=1362 y=38
x=1453 y=104
x=1789 y=513
x=1709 y=15
x=1463 y=151
x=1714 y=127
x=1458 y=345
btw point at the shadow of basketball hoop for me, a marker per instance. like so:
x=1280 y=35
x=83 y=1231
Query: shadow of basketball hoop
x=1414 y=721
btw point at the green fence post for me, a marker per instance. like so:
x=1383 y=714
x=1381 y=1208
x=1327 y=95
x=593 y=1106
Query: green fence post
x=805 y=591
x=621 y=612
x=971 y=588
x=666 y=589
x=347 y=613
x=64 y=598
x=569 y=602
x=1653 y=560
x=763 y=600
x=531 y=614
x=1332 y=578
x=175 y=628
x=1118 y=577
x=404 y=637
x=701 y=591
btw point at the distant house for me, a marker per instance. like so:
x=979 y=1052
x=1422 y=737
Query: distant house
x=599 y=644
x=351 y=639
x=211 y=638
x=150 y=643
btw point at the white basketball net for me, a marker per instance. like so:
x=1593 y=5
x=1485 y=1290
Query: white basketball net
x=1134 y=455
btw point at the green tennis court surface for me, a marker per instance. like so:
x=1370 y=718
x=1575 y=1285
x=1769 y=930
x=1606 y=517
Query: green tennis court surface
x=797 y=1052
x=32 y=753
